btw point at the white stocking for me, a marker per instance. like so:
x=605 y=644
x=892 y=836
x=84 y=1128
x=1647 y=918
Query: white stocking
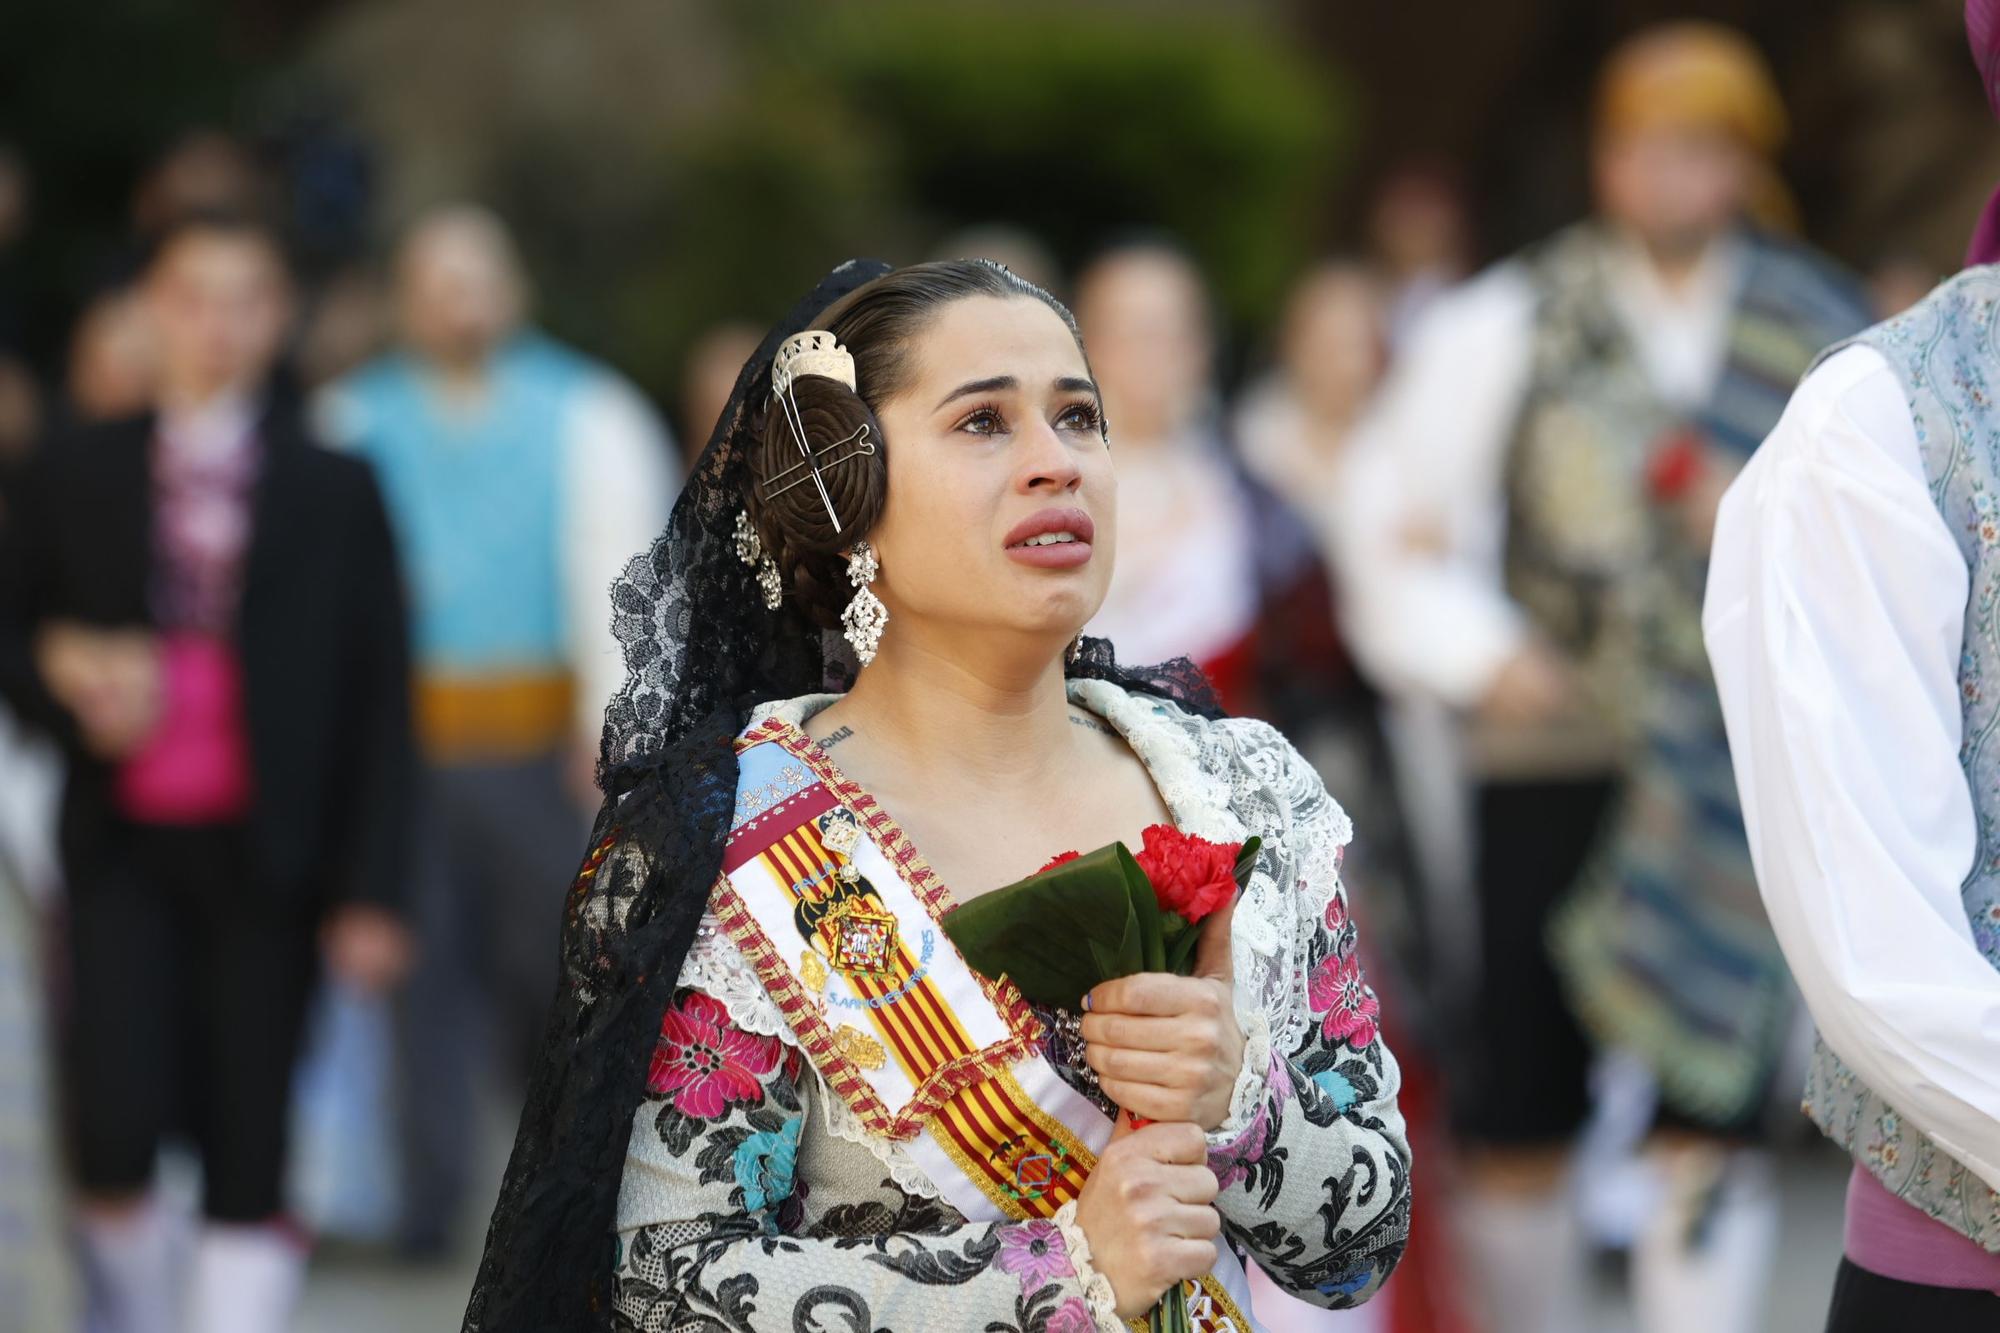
x=1523 y=1256
x=1705 y=1260
x=246 y=1278
x=130 y=1269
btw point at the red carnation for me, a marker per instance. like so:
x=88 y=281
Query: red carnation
x=1190 y=876
x=1060 y=858
x=1676 y=463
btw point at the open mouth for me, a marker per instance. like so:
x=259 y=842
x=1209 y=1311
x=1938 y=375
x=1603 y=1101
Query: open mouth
x=1053 y=539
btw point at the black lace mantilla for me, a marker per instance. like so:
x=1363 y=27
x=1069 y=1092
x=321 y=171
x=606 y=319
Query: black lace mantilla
x=701 y=650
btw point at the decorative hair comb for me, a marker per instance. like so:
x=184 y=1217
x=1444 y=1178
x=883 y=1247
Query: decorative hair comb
x=814 y=352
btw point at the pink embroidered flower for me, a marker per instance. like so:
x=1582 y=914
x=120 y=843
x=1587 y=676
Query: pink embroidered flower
x=1072 y=1316
x=1336 y=990
x=1033 y=1251
x=702 y=1062
x=1232 y=1161
x=1336 y=913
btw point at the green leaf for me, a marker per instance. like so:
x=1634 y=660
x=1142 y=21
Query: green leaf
x=1181 y=945
x=1152 y=951
x=1057 y=933
x=1246 y=860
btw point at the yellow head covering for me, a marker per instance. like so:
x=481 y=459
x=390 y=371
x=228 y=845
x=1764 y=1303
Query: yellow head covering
x=1701 y=76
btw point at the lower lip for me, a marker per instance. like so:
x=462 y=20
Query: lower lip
x=1058 y=555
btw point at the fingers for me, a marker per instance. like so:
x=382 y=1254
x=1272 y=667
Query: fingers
x=1160 y=994
x=1212 y=957
x=1177 y=1144
x=1154 y=995
x=1194 y=1222
x=1159 y=1066
x=1151 y=1101
x=1182 y=1258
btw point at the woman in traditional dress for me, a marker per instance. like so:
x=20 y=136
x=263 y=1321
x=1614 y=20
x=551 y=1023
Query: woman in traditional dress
x=772 y=1094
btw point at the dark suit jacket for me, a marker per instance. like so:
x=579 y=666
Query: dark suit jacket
x=321 y=633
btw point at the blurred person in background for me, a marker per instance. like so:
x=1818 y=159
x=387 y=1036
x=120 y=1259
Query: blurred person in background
x=346 y=325
x=1898 y=281
x=1850 y=620
x=521 y=477
x=1420 y=238
x=1211 y=565
x=113 y=357
x=1525 y=526
x=1292 y=426
x=36 y=1284
x=202 y=605
x=1015 y=249
x=205 y=171
x=709 y=377
x=20 y=393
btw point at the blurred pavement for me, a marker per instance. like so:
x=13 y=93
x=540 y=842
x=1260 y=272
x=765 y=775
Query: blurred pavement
x=345 y=1294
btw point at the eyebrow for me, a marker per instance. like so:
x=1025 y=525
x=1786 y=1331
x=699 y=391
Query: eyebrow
x=1007 y=383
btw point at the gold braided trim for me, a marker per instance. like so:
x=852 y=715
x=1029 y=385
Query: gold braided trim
x=901 y=853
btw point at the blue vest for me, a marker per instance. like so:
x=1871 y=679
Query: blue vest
x=475 y=496
x=1945 y=352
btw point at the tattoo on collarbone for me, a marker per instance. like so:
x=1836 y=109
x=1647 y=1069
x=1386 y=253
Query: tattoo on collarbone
x=828 y=742
x=1091 y=724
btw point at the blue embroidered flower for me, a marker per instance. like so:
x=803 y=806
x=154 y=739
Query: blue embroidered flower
x=1347 y=1283
x=764 y=1165
x=1335 y=1085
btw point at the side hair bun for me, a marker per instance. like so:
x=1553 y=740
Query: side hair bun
x=785 y=502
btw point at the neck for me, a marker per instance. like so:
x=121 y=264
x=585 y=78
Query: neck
x=993 y=711
x=1331 y=414
x=181 y=397
x=460 y=375
x=1675 y=259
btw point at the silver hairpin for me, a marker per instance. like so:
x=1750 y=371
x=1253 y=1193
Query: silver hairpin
x=863 y=448
x=813 y=352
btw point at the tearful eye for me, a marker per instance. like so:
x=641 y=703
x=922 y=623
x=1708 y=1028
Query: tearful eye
x=1081 y=416
x=983 y=421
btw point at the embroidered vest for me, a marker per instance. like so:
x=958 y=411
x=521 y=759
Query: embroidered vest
x=475 y=497
x=1946 y=352
x=1600 y=564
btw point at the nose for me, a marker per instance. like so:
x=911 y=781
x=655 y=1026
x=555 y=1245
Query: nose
x=1047 y=463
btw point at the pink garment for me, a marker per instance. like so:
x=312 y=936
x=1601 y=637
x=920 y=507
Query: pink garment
x=195 y=768
x=1891 y=1239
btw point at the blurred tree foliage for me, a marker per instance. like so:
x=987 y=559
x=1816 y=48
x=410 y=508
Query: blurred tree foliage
x=671 y=163
x=878 y=129
x=88 y=94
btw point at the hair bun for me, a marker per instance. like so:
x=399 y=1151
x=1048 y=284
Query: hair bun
x=786 y=503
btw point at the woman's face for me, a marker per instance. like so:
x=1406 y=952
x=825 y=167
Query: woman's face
x=1002 y=506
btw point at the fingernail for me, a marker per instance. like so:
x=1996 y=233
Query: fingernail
x=1086 y=1001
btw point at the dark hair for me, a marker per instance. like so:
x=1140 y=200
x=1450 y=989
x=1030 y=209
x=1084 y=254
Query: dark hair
x=877 y=323
x=218 y=224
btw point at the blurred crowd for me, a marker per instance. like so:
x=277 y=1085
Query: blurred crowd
x=305 y=639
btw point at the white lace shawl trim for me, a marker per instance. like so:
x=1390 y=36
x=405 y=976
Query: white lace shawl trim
x=1226 y=781
x=1221 y=780
x=1097 y=1292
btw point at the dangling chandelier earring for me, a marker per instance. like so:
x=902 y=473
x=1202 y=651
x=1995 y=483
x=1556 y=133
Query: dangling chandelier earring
x=865 y=615
x=750 y=550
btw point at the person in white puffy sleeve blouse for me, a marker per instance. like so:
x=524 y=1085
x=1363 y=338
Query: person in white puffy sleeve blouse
x=1850 y=620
